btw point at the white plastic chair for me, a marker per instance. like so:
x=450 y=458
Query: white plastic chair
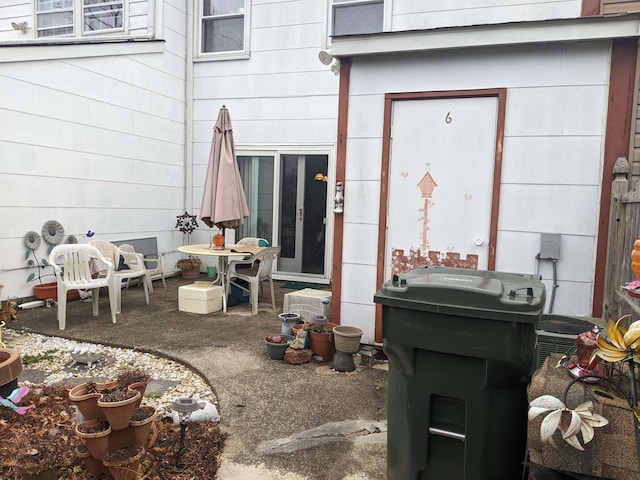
x=150 y=272
x=71 y=264
x=254 y=271
x=135 y=262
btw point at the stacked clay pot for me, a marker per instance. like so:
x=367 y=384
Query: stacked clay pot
x=109 y=430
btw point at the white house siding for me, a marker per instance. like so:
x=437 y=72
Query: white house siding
x=420 y=14
x=281 y=95
x=96 y=143
x=16 y=11
x=554 y=128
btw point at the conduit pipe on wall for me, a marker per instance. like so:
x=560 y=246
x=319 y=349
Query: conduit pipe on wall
x=188 y=113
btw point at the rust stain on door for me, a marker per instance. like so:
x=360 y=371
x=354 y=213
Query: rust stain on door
x=417 y=257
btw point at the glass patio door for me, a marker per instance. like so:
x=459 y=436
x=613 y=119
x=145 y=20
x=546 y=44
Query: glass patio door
x=302 y=213
x=287 y=198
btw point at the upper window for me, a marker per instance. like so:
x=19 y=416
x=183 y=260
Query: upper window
x=357 y=16
x=223 y=26
x=63 y=18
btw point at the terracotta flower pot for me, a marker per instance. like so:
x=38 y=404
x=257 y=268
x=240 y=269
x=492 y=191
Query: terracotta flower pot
x=119 y=413
x=191 y=274
x=10 y=368
x=322 y=343
x=50 y=290
x=87 y=402
x=95 y=434
x=140 y=428
x=123 y=463
x=140 y=387
x=94 y=466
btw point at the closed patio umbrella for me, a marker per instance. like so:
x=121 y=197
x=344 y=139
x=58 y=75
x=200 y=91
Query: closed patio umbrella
x=223 y=202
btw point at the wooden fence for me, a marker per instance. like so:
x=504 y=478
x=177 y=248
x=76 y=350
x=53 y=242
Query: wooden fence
x=624 y=229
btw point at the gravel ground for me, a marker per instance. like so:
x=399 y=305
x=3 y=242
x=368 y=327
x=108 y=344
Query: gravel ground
x=52 y=361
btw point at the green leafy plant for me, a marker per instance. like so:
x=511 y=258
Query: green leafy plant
x=32 y=359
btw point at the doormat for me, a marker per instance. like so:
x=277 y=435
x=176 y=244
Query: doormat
x=299 y=286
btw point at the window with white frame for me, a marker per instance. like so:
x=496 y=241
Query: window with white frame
x=63 y=18
x=357 y=16
x=222 y=26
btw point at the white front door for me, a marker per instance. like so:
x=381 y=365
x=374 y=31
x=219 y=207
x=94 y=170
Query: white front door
x=441 y=173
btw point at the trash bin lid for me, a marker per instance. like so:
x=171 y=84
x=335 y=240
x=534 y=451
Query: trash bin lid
x=461 y=291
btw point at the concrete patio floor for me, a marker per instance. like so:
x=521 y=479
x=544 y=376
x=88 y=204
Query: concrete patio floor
x=284 y=421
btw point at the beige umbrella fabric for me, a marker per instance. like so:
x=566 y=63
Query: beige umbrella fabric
x=223 y=202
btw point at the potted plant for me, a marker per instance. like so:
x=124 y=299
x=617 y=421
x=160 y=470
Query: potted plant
x=321 y=340
x=190 y=267
x=141 y=422
x=134 y=379
x=118 y=406
x=124 y=462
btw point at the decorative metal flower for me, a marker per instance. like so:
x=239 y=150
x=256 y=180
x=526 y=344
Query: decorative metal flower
x=620 y=343
x=52 y=232
x=186 y=223
x=32 y=240
x=570 y=422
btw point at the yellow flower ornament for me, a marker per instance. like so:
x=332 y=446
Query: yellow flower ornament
x=620 y=343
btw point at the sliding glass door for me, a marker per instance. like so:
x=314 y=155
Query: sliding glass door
x=287 y=198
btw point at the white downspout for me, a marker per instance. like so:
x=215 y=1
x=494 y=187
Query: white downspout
x=188 y=114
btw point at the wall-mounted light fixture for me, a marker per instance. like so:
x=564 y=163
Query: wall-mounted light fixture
x=22 y=26
x=326 y=58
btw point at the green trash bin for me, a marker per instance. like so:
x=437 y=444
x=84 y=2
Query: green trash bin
x=460 y=345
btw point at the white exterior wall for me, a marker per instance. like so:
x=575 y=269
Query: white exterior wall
x=421 y=14
x=554 y=130
x=281 y=96
x=96 y=143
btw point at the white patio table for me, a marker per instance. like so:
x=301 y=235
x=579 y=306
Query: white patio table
x=223 y=260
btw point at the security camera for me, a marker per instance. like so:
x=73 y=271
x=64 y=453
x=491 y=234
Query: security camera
x=325 y=57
